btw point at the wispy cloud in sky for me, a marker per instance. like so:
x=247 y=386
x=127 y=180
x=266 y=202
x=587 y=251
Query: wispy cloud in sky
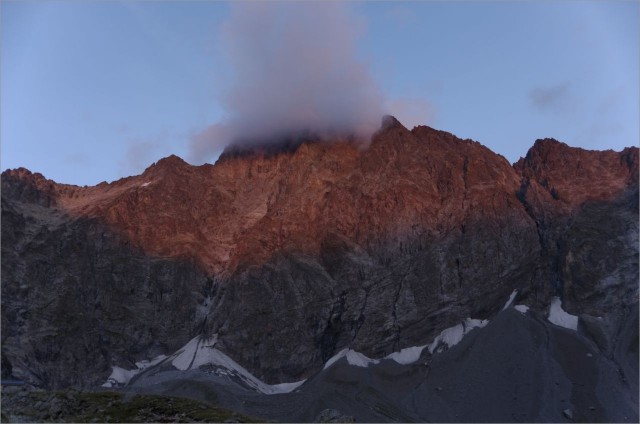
x=294 y=68
x=412 y=112
x=141 y=152
x=77 y=159
x=604 y=121
x=550 y=98
x=211 y=72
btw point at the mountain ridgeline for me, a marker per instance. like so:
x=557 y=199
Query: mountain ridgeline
x=289 y=256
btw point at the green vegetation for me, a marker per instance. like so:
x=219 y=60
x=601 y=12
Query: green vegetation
x=110 y=407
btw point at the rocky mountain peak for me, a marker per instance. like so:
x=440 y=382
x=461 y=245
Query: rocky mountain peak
x=548 y=144
x=289 y=143
x=25 y=175
x=548 y=152
x=168 y=164
x=389 y=122
x=573 y=175
x=29 y=187
x=292 y=254
x=270 y=147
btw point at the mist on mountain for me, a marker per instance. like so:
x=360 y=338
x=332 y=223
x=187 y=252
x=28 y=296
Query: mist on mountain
x=295 y=71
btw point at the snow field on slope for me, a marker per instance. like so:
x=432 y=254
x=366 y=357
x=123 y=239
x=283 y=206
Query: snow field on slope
x=353 y=358
x=510 y=301
x=560 y=317
x=123 y=376
x=453 y=335
x=198 y=352
x=408 y=355
x=449 y=337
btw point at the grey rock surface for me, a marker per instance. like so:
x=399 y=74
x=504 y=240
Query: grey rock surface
x=519 y=368
x=333 y=416
x=78 y=297
x=75 y=301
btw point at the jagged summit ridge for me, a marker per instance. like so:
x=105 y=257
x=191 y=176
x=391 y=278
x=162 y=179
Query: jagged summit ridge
x=170 y=162
x=389 y=121
x=290 y=258
x=289 y=143
x=428 y=180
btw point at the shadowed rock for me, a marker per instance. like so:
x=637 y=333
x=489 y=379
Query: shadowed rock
x=291 y=257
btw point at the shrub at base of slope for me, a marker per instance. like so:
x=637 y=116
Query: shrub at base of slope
x=22 y=405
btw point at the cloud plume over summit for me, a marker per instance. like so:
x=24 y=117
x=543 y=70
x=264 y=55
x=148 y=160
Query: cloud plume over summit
x=294 y=69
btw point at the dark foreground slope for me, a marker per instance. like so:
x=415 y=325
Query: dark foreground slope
x=21 y=405
x=519 y=368
x=290 y=257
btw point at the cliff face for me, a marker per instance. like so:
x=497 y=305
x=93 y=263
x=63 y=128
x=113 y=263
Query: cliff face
x=585 y=206
x=289 y=256
x=76 y=299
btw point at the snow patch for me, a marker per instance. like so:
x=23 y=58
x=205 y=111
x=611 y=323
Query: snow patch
x=451 y=336
x=203 y=309
x=145 y=184
x=521 y=308
x=150 y=363
x=471 y=323
x=407 y=355
x=198 y=352
x=120 y=376
x=286 y=387
x=359 y=360
x=186 y=354
x=353 y=358
x=335 y=358
x=559 y=316
x=510 y=301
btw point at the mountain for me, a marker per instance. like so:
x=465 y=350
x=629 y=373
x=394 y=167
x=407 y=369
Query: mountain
x=285 y=256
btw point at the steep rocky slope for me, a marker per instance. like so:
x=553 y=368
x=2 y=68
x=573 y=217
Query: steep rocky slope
x=518 y=368
x=290 y=256
x=585 y=206
x=76 y=300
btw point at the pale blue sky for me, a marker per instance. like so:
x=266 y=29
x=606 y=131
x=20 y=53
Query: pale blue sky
x=94 y=91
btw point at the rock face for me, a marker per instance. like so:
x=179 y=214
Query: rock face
x=585 y=206
x=291 y=255
x=76 y=300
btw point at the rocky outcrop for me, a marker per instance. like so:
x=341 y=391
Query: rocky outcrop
x=24 y=186
x=290 y=255
x=572 y=176
x=76 y=299
x=585 y=206
x=24 y=405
